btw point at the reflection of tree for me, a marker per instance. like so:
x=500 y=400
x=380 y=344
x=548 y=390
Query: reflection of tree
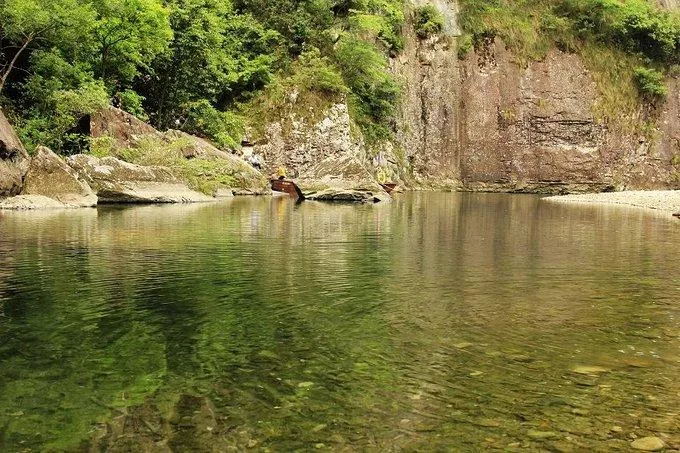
x=65 y=364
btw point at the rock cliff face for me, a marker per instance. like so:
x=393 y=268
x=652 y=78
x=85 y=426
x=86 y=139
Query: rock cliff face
x=13 y=160
x=430 y=107
x=487 y=124
x=533 y=130
x=327 y=160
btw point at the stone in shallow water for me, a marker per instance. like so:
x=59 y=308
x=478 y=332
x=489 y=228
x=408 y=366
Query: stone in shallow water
x=463 y=344
x=589 y=369
x=488 y=423
x=648 y=444
x=540 y=435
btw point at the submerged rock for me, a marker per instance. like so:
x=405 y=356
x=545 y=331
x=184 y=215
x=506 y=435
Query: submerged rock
x=51 y=177
x=648 y=444
x=31 y=203
x=13 y=159
x=343 y=195
x=116 y=181
x=587 y=369
x=540 y=435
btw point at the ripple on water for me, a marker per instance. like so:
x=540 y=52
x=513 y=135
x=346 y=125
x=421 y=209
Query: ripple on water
x=438 y=321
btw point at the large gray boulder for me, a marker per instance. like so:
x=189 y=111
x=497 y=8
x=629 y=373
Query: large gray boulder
x=125 y=129
x=342 y=178
x=49 y=176
x=13 y=160
x=116 y=181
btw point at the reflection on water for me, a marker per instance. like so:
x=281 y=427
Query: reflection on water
x=438 y=322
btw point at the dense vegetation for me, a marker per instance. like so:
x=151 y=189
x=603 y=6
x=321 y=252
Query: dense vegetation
x=191 y=64
x=211 y=67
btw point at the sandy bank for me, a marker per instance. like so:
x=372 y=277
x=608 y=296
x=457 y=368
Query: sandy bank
x=663 y=200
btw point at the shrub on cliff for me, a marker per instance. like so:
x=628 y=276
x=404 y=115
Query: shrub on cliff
x=428 y=21
x=634 y=25
x=374 y=93
x=650 y=83
x=317 y=73
x=222 y=127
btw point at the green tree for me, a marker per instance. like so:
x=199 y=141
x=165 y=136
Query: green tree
x=30 y=24
x=129 y=34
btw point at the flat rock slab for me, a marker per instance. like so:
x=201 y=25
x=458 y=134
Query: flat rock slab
x=663 y=200
x=151 y=192
x=33 y=203
x=116 y=181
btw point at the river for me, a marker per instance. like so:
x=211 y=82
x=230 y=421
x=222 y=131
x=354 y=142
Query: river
x=436 y=322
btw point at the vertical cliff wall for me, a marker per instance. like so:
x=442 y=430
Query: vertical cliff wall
x=533 y=129
x=487 y=123
x=429 y=114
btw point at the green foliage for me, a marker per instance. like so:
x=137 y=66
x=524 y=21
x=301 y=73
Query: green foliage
x=102 y=146
x=635 y=25
x=67 y=107
x=129 y=34
x=191 y=64
x=374 y=93
x=465 y=45
x=132 y=102
x=316 y=73
x=619 y=101
x=529 y=28
x=428 y=21
x=224 y=128
x=216 y=55
x=28 y=25
x=650 y=83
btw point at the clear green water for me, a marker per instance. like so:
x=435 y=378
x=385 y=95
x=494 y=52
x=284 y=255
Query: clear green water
x=439 y=322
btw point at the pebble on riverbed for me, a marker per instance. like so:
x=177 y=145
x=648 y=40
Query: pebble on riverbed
x=586 y=369
x=648 y=444
x=540 y=435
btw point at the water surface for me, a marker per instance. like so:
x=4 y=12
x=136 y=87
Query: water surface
x=436 y=322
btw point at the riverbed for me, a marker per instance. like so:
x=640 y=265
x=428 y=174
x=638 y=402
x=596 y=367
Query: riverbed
x=435 y=322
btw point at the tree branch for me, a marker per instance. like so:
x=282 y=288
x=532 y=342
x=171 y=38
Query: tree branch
x=6 y=73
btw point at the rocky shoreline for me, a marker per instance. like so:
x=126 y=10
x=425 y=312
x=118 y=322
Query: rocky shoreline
x=662 y=200
x=134 y=163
